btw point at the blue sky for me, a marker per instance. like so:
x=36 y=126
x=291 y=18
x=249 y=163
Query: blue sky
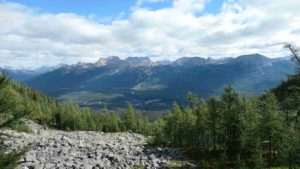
x=50 y=32
x=103 y=8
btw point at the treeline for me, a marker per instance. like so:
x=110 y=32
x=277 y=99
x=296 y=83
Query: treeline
x=232 y=132
x=47 y=111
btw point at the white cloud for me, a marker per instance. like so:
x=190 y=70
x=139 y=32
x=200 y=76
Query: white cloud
x=189 y=6
x=31 y=38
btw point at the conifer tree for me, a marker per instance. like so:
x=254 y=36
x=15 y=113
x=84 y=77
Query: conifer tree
x=160 y=132
x=251 y=142
x=271 y=127
x=201 y=126
x=231 y=108
x=129 y=119
x=214 y=121
x=173 y=128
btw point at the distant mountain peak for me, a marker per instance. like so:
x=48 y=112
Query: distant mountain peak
x=252 y=58
x=108 y=60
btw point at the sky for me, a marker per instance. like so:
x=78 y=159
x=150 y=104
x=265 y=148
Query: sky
x=36 y=33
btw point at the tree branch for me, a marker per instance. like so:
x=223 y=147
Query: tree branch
x=294 y=52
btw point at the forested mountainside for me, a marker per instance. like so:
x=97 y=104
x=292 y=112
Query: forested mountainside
x=47 y=111
x=155 y=85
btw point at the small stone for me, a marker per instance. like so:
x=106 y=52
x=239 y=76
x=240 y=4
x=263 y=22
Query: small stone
x=29 y=158
x=152 y=157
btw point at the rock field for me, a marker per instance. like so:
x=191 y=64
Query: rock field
x=53 y=149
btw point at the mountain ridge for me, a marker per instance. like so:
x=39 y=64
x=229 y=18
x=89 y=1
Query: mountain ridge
x=153 y=86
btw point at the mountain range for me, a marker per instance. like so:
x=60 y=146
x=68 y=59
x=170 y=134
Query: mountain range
x=154 y=86
x=23 y=74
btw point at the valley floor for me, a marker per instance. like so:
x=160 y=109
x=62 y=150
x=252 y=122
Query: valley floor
x=87 y=150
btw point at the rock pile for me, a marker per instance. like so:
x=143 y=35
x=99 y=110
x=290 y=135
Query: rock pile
x=87 y=150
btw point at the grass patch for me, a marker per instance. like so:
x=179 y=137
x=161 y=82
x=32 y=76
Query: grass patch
x=138 y=167
x=178 y=165
x=11 y=160
x=20 y=126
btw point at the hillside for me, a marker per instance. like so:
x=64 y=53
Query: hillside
x=20 y=99
x=288 y=87
x=154 y=85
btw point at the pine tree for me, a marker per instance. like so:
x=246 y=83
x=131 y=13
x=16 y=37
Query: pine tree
x=186 y=130
x=251 y=143
x=201 y=126
x=192 y=101
x=159 y=132
x=231 y=109
x=173 y=122
x=271 y=127
x=214 y=121
x=129 y=119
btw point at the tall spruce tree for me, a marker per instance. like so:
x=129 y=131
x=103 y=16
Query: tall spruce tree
x=201 y=126
x=271 y=127
x=129 y=118
x=231 y=110
x=173 y=125
x=251 y=142
x=214 y=121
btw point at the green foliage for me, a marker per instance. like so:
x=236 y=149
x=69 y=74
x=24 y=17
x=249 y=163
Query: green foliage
x=231 y=132
x=133 y=120
x=177 y=165
x=9 y=114
x=108 y=122
x=271 y=127
x=20 y=126
x=138 y=167
x=129 y=118
x=19 y=99
x=214 y=122
x=250 y=138
x=231 y=109
x=10 y=160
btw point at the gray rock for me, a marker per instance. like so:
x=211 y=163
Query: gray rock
x=152 y=157
x=95 y=150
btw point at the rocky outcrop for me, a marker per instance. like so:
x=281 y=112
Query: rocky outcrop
x=87 y=150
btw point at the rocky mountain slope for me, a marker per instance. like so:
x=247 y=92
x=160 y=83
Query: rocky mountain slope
x=50 y=149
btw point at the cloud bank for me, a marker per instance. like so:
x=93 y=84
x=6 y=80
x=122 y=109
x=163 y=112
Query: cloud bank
x=30 y=38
